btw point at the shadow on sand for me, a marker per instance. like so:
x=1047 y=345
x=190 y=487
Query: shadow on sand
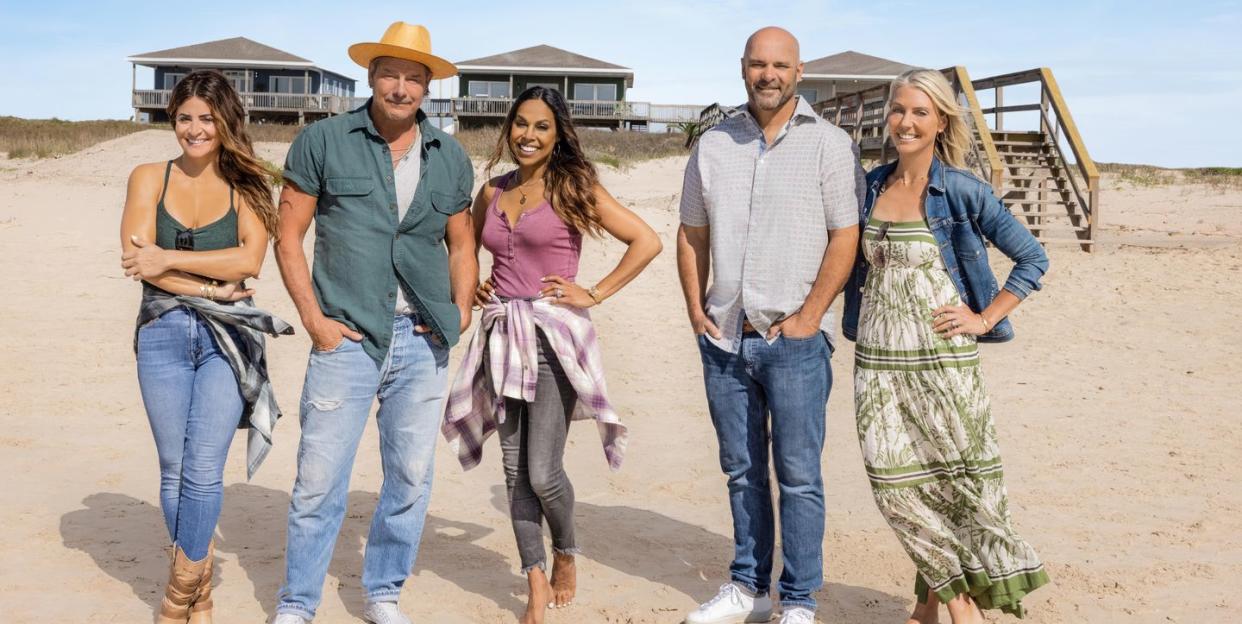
x=689 y=558
x=126 y=538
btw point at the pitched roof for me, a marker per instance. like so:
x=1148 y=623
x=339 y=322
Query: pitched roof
x=542 y=56
x=855 y=64
x=237 y=49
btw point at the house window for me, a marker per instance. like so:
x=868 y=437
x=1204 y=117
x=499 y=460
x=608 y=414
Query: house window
x=810 y=95
x=171 y=80
x=238 y=79
x=485 y=88
x=287 y=84
x=593 y=91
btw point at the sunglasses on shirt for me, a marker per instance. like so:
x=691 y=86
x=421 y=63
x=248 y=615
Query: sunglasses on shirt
x=185 y=240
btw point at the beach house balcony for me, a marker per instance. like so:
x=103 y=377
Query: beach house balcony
x=274 y=85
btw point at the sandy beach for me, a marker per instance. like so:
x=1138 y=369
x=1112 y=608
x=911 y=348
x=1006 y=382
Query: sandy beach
x=1117 y=408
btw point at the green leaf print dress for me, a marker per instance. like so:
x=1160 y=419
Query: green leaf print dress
x=925 y=426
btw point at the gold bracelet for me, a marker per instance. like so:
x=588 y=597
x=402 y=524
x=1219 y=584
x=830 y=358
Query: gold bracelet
x=987 y=327
x=202 y=290
x=593 y=293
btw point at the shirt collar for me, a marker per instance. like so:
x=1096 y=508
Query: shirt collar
x=360 y=119
x=802 y=112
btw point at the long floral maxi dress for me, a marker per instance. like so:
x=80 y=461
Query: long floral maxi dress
x=926 y=429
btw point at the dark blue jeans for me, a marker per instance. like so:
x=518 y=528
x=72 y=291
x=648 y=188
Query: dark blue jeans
x=773 y=393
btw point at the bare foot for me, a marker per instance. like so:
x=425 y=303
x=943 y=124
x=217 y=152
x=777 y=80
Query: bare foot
x=564 y=580
x=963 y=610
x=926 y=612
x=540 y=595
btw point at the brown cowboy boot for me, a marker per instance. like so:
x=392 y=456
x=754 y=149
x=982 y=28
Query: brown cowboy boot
x=200 y=610
x=183 y=580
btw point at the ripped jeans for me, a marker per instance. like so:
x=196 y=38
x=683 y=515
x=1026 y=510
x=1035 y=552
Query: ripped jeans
x=341 y=386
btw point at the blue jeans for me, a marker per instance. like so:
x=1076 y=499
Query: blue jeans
x=341 y=385
x=194 y=405
x=773 y=393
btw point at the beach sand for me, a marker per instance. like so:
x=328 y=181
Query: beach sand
x=1117 y=408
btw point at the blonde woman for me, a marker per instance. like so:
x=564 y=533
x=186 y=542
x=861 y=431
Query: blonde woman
x=921 y=296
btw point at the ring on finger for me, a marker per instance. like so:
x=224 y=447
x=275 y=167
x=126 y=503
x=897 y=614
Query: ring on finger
x=559 y=293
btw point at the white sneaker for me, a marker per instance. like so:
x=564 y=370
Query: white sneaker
x=797 y=615
x=290 y=618
x=732 y=606
x=384 y=613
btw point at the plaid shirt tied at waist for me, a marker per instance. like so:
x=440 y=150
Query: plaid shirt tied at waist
x=508 y=331
x=247 y=358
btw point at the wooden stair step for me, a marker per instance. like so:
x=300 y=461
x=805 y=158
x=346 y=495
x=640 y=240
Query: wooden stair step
x=1046 y=214
x=1021 y=144
x=1046 y=202
x=1064 y=241
x=1031 y=177
x=1060 y=228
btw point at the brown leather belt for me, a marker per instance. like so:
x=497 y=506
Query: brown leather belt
x=747 y=328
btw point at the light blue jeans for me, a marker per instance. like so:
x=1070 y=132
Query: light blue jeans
x=194 y=405
x=769 y=400
x=341 y=385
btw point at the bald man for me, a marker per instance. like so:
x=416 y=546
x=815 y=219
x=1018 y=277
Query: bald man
x=769 y=208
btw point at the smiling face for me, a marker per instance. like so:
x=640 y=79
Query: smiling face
x=770 y=68
x=533 y=133
x=913 y=121
x=399 y=87
x=195 y=127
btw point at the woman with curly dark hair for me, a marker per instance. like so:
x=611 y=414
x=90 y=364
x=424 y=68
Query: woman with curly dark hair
x=533 y=364
x=193 y=229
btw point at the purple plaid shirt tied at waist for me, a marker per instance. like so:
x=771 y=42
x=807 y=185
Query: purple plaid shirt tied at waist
x=508 y=332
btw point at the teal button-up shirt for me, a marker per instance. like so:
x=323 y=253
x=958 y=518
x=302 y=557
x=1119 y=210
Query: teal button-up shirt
x=362 y=253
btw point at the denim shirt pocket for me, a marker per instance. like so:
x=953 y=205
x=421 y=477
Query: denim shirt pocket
x=351 y=186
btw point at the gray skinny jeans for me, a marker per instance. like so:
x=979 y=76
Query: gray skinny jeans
x=532 y=441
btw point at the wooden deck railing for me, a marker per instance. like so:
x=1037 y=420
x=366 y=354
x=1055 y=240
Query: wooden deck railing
x=862 y=115
x=580 y=109
x=1056 y=124
x=295 y=102
x=983 y=148
x=446 y=107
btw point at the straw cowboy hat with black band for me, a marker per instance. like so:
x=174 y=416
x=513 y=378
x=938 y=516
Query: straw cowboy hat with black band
x=411 y=42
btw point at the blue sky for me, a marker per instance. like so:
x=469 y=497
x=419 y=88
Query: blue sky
x=1148 y=82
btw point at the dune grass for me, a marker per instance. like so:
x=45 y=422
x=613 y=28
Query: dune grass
x=1149 y=176
x=46 y=138
x=615 y=149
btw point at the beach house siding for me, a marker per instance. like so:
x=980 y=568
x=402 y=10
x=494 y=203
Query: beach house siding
x=523 y=82
x=261 y=80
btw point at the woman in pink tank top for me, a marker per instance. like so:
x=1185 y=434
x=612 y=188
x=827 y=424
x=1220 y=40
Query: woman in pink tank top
x=533 y=364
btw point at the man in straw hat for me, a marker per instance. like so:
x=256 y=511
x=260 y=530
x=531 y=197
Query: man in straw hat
x=387 y=191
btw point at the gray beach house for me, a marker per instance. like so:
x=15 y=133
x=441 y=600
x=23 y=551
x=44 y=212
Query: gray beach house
x=275 y=86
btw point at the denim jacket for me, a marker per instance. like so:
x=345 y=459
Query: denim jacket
x=961 y=211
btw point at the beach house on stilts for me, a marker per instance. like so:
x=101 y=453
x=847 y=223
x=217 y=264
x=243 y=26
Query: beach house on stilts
x=274 y=85
x=595 y=90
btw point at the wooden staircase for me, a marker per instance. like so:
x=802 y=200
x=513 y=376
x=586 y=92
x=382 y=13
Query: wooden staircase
x=1055 y=197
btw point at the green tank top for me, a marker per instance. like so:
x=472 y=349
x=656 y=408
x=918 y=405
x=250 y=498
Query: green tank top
x=219 y=234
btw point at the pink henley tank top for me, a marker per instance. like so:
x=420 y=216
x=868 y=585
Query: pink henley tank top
x=539 y=244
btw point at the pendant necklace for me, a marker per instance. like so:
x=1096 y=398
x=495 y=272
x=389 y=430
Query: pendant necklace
x=522 y=193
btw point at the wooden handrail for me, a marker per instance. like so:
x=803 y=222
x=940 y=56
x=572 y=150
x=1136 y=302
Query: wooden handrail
x=964 y=84
x=1085 y=164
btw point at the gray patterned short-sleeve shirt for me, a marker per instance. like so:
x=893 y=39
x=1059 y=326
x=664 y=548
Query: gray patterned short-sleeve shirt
x=770 y=209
